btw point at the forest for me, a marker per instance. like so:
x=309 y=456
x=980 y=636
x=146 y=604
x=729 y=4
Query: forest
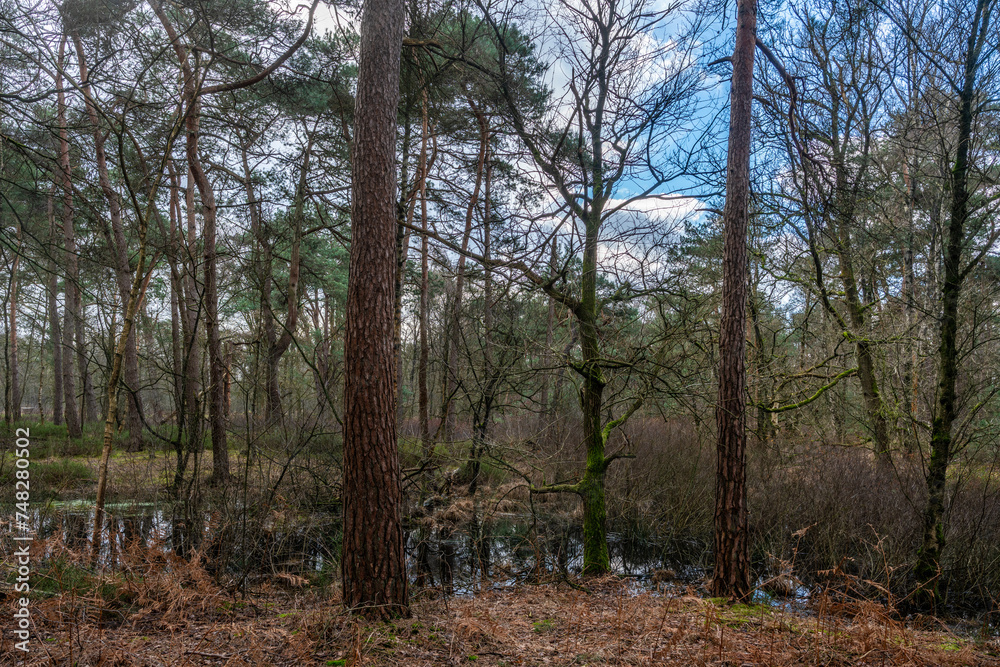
x=508 y=332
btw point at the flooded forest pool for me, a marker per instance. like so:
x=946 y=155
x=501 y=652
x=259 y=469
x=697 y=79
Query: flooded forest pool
x=505 y=550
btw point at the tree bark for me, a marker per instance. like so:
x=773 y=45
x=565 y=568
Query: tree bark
x=55 y=331
x=596 y=558
x=123 y=272
x=762 y=396
x=14 y=398
x=216 y=369
x=491 y=377
x=191 y=324
x=72 y=305
x=323 y=370
x=731 y=577
x=139 y=284
x=177 y=339
x=373 y=564
x=404 y=213
x=488 y=268
x=927 y=570
x=910 y=379
x=210 y=296
x=857 y=313
x=88 y=409
x=453 y=339
x=278 y=344
x=548 y=401
x=423 y=397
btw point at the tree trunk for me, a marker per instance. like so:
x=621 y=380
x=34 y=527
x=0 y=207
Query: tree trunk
x=423 y=397
x=265 y=273
x=216 y=371
x=138 y=288
x=453 y=339
x=55 y=331
x=596 y=560
x=321 y=369
x=488 y=268
x=41 y=365
x=191 y=323
x=71 y=310
x=373 y=565
x=764 y=427
x=910 y=381
x=177 y=340
x=210 y=295
x=88 y=409
x=404 y=214
x=928 y=566
x=731 y=577
x=548 y=402
x=859 y=322
x=123 y=272
x=491 y=377
x=278 y=344
x=14 y=411
x=227 y=385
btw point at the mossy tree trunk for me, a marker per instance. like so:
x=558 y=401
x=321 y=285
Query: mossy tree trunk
x=927 y=570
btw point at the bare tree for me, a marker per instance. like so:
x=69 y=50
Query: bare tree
x=625 y=99
x=980 y=48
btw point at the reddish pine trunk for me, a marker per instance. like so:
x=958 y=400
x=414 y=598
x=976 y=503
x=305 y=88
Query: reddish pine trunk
x=71 y=311
x=731 y=578
x=373 y=566
x=55 y=331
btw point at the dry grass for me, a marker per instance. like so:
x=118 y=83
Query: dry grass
x=162 y=610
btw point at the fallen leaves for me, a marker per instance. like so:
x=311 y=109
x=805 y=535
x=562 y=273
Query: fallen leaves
x=200 y=624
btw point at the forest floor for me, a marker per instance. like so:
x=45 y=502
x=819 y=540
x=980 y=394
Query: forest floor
x=172 y=613
x=161 y=610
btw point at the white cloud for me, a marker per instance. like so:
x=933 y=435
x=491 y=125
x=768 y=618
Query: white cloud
x=668 y=208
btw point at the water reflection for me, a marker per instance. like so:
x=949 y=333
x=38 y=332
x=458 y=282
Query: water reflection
x=458 y=559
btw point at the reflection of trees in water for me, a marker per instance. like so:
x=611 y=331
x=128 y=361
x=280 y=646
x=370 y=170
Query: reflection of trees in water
x=461 y=558
x=454 y=557
x=75 y=529
x=125 y=531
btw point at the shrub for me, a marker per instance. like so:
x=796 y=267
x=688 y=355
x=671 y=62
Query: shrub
x=60 y=476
